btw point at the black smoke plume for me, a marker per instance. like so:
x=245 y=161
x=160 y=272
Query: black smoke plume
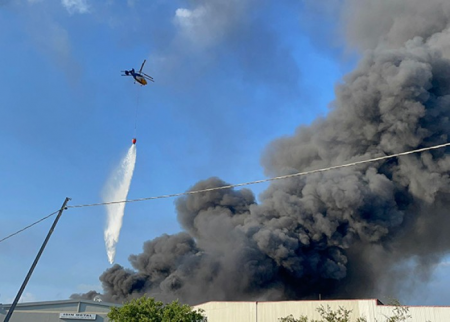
x=355 y=232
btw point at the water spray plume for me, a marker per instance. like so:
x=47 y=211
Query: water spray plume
x=117 y=188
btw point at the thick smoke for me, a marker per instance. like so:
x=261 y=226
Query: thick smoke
x=344 y=233
x=369 y=24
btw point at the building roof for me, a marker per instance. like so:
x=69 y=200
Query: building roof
x=48 y=303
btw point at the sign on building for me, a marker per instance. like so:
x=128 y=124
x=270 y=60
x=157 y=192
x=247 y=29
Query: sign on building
x=77 y=316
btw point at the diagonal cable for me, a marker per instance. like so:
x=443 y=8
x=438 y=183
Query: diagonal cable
x=29 y=226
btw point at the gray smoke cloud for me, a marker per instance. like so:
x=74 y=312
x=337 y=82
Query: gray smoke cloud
x=346 y=233
x=369 y=24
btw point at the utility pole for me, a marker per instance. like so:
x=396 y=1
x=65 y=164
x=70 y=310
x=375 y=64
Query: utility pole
x=24 y=284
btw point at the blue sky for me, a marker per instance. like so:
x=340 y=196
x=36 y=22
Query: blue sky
x=225 y=87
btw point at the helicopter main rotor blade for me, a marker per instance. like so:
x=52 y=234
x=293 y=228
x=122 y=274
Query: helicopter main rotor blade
x=147 y=75
x=142 y=66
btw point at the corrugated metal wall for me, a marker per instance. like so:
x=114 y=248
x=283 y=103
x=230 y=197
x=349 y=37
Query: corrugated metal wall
x=418 y=313
x=273 y=311
x=229 y=311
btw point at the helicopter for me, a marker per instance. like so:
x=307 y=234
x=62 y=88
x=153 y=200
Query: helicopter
x=140 y=76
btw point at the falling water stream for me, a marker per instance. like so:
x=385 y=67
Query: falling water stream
x=117 y=188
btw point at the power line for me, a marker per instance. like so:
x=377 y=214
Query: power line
x=298 y=174
x=29 y=226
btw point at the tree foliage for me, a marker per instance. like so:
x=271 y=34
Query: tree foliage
x=146 y=309
x=340 y=315
x=290 y=318
x=327 y=314
x=401 y=313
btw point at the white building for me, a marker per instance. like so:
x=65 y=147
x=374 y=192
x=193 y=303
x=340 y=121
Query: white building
x=58 y=311
x=83 y=310
x=372 y=310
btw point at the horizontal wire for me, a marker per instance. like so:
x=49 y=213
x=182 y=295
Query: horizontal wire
x=298 y=174
x=264 y=180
